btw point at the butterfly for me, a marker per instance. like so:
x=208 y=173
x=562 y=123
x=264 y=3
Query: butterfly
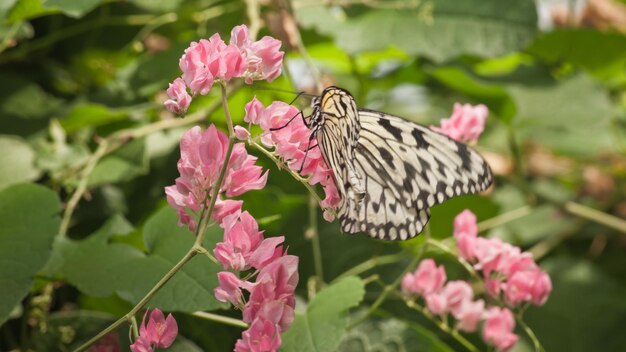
x=389 y=171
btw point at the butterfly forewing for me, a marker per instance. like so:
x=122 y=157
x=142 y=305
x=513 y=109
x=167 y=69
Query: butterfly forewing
x=395 y=172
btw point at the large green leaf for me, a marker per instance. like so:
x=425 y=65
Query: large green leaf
x=98 y=267
x=16 y=162
x=323 y=325
x=438 y=29
x=189 y=290
x=90 y=115
x=570 y=116
x=28 y=223
x=603 y=54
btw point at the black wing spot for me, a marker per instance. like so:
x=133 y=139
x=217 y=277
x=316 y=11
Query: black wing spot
x=419 y=138
x=466 y=156
x=386 y=156
x=395 y=131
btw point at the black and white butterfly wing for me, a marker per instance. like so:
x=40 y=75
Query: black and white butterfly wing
x=406 y=168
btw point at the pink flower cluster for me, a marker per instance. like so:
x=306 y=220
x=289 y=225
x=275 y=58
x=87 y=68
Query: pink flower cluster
x=505 y=268
x=457 y=298
x=202 y=156
x=290 y=142
x=270 y=307
x=466 y=123
x=208 y=60
x=157 y=332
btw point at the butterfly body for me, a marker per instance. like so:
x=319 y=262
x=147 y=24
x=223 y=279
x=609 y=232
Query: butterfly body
x=390 y=171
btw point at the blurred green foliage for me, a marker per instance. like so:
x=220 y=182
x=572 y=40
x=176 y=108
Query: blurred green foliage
x=82 y=77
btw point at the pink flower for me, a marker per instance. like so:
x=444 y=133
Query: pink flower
x=262 y=336
x=466 y=123
x=158 y=332
x=229 y=288
x=179 y=99
x=272 y=295
x=242 y=133
x=498 y=329
x=244 y=246
x=469 y=314
x=427 y=279
x=202 y=157
x=263 y=58
x=541 y=288
x=290 y=141
x=253 y=111
x=436 y=303
x=456 y=294
x=528 y=285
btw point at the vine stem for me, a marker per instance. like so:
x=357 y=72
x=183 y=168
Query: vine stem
x=193 y=251
x=536 y=343
x=313 y=235
x=371 y=264
x=82 y=186
x=596 y=216
x=221 y=319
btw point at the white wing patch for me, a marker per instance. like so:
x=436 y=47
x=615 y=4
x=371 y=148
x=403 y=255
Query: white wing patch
x=405 y=169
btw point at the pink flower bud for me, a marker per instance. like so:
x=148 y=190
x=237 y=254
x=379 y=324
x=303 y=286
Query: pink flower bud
x=179 y=98
x=242 y=133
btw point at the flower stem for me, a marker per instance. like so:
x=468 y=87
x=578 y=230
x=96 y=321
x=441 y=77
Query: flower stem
x=313 y=235
x=82 y=186
x=536 y=343
x=371 y=264
x=221 y=319
x=597 y=216
x=504 y=218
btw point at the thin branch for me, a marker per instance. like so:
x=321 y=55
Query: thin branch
x=596 y=216
x=221 y=319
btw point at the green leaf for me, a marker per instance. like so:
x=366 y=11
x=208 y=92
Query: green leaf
x=16 y=162
x=25 y=99
x=391 y=335
x=189 y=290
x=324 y=324
x=26 y=9
x=28 y=223
x=73 y=8
x=90 y=115
x=158 y=6
x=438 y=29
x=124 y=164
x=100 y=268
x=601 y=53
x=491 y=94
x=571 y=116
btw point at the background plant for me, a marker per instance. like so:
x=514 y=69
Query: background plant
x=87 y=150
